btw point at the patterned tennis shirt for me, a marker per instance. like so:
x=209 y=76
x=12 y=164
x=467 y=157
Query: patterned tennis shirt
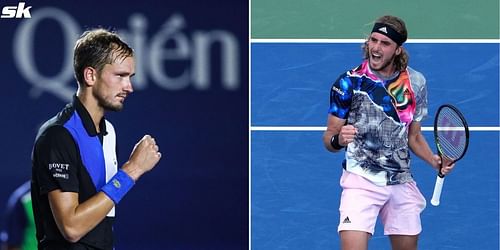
x=382 y=111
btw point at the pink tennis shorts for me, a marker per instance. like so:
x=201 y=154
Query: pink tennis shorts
x=399 y=206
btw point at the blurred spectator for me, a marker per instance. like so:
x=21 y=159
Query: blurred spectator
x=19 y=227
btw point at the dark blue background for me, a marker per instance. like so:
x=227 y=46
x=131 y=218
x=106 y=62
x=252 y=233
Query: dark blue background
x=197 y=197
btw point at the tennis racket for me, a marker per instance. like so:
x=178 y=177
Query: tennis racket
x=451 y=135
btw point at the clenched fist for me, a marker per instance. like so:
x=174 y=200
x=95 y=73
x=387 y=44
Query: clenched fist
x=143 y=158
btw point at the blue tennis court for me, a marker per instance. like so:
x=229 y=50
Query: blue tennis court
x=294 y=180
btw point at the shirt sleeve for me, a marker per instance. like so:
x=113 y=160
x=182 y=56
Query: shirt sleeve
x=420 y=87
x=341 y=97
x=56 y=161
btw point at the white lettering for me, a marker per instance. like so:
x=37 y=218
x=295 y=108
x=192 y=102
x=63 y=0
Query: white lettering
x=340 y=92
x=58 y=175
x=24 y=50
x=58 y=166
x=137 y=39
x=203 y=41
x=18 y=11
x=9 y=12
x=179 y=51
x=171 y=58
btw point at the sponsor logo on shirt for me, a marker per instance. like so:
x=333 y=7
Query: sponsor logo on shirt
x=340 y=92
x=61 y=176
x=59 y=170
x=59 y=166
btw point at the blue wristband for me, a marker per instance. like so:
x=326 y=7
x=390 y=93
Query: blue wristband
x=118 y=186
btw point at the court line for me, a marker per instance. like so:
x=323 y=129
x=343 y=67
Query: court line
x=295 y=40
x=305 y=128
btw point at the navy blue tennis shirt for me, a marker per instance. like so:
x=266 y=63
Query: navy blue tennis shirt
x=69 y=154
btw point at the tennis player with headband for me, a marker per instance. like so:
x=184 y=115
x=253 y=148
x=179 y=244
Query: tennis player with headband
x=375 y=114
x=76 y=182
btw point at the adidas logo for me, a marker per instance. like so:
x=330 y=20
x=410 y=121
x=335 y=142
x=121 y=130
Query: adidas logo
x=346 y=220
x=383 y=29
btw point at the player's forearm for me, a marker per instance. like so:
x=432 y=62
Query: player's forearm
x=327 y=135
x=75 y=221
x=420 y=148
x=333 y=127
x=134 y=171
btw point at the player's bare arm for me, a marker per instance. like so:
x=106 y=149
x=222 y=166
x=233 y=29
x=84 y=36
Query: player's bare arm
x=419 y=146
x=336 y=126
x=75 y=220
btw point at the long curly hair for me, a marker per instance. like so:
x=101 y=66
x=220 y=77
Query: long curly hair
x=401 y=60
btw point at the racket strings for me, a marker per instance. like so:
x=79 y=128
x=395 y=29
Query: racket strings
x=451 y=151
x=451 y=133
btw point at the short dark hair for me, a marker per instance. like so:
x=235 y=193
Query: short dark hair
x=96 y=48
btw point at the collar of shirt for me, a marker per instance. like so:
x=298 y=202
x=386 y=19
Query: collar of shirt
x=385 y=78
x=87 y=120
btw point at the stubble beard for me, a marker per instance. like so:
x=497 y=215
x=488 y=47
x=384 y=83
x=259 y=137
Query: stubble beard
x=385 y=64
x=108 y=105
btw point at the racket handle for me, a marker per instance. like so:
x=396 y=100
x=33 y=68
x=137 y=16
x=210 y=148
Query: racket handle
x=437 y=190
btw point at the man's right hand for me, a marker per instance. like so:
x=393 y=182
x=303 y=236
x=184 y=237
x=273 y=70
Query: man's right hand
x=347 y=134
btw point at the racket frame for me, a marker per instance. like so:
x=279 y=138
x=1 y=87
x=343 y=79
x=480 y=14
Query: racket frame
x=436 y=140
x=440 y=177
